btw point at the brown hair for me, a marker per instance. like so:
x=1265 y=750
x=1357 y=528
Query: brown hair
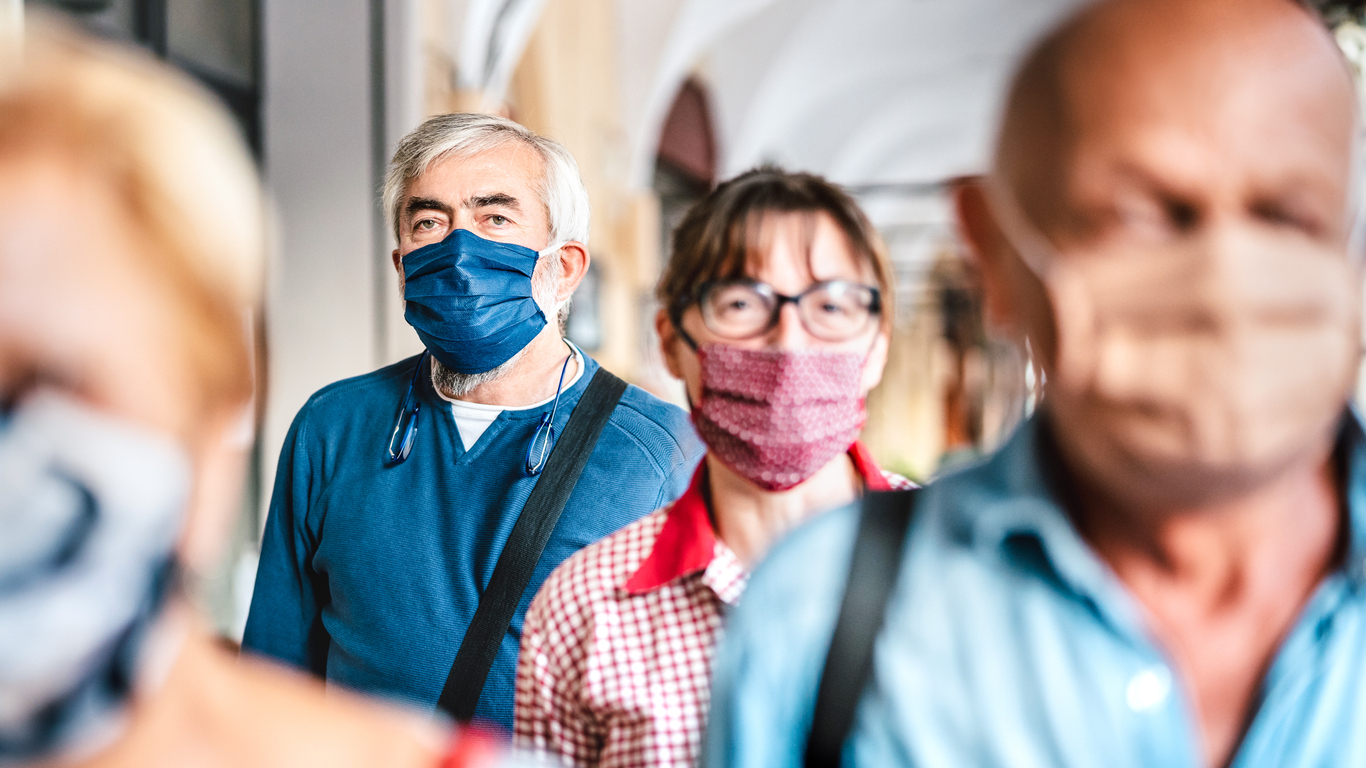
x=719 y=237
x=181 y=170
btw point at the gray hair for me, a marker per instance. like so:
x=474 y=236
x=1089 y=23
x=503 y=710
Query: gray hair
x=464 y=134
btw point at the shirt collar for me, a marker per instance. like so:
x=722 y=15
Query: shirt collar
x=687 y=543
x=1022 y=516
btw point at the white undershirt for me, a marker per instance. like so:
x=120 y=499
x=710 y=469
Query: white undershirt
x=472 y=419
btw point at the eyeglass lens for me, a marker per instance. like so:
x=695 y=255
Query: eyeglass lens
x=539 y=449
x=833 y=311
x=401 y=441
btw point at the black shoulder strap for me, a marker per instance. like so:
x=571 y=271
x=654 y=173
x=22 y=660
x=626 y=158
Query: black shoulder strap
x=531 y=532
x=873 y=569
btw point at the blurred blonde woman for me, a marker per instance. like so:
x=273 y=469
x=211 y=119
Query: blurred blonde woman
x=130 y=260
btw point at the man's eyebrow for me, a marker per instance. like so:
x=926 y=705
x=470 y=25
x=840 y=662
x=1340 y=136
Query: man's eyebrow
x=416 y=204
x=497 y=198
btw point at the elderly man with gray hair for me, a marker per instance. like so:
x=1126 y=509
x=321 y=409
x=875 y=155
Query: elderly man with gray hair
x=417 y=508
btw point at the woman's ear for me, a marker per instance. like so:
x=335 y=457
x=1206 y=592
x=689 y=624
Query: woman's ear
x=876 y=362
x=668 y=343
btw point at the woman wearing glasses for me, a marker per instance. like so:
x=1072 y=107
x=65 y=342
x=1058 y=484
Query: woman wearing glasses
x=775 y=316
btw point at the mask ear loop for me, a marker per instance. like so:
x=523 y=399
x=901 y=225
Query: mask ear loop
x=1040 y=256
x=676 y=319
x=555 y=248
x=1035 y=250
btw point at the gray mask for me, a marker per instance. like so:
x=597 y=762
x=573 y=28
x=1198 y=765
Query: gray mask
x=90 y=509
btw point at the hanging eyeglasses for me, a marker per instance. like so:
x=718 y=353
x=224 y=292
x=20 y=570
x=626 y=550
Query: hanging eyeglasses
x=543 y=439
x=407 y=420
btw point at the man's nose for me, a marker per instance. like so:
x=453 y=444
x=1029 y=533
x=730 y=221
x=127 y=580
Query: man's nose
x=463 y=219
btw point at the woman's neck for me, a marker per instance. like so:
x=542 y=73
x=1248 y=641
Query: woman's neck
x=748 y=518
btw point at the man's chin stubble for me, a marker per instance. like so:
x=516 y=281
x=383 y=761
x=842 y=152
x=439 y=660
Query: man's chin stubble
x=454 y=384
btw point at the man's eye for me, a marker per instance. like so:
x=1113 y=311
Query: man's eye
x=424 y=225
x=497 y=220
x=1278 y=215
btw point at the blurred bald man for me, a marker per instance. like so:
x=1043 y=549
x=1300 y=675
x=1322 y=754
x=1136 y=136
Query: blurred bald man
x=1166 y=565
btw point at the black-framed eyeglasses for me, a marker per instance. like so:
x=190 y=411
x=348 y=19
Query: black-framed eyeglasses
x=831 y=310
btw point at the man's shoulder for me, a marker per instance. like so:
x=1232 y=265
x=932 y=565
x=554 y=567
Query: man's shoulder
x=661 y=429
x=812 y=563
x=946 y=513
x=638 y=407
x=596 y=575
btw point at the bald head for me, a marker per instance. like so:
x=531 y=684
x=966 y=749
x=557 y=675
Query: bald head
x=1191 y=103
x=1205 y=130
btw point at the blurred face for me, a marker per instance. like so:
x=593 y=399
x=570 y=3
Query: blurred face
x=81 y=314
x=790 y=270
x=1187 y=288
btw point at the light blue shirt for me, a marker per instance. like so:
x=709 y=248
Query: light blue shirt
x=1008 y=642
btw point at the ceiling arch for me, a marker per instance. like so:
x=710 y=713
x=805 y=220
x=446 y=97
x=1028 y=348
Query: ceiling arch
x=865 y=91
x=491 y=35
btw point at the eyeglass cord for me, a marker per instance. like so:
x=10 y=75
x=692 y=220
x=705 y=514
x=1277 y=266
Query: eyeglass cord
x=411 y=409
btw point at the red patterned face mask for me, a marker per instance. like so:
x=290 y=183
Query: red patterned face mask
x=777 y=416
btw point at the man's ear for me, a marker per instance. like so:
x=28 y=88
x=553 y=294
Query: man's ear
x=574 y=261
x=398 y=267
x=990 y=251
x=1016 y=302
x=668 y=343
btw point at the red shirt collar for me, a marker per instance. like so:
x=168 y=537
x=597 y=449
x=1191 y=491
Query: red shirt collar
x=686 y=544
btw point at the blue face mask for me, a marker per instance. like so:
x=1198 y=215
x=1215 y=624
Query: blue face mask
x=470 y=301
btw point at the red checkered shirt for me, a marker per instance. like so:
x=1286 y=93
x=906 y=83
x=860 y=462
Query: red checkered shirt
x=615 y=666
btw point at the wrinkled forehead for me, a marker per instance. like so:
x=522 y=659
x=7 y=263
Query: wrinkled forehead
x=510 y=167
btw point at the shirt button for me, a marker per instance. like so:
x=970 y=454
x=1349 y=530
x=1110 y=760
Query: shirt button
x=1148 y=688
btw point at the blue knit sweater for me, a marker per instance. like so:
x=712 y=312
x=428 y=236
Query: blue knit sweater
x=370 y=573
